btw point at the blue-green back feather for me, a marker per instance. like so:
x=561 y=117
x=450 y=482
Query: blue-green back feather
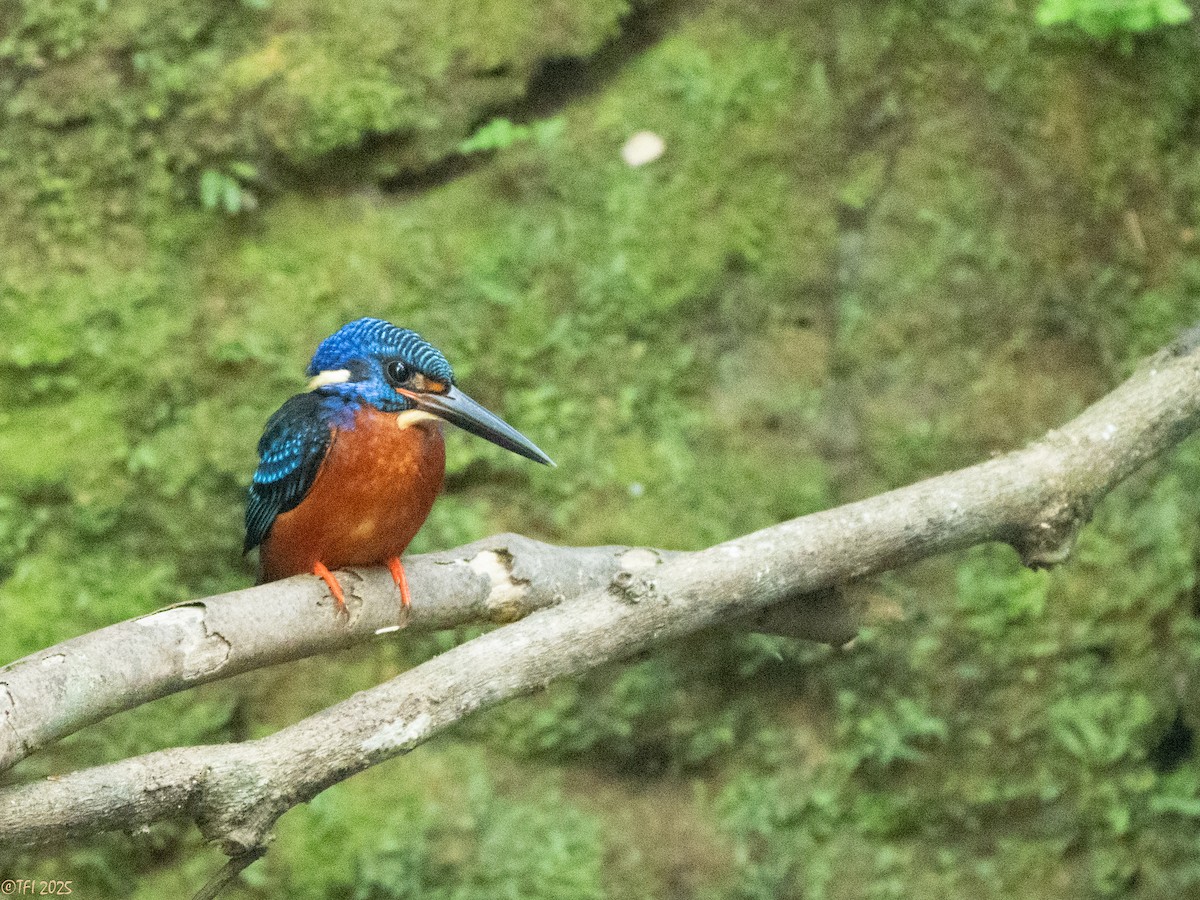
x=291 y=451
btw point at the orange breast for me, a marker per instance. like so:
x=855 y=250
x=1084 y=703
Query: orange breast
x=372 y=494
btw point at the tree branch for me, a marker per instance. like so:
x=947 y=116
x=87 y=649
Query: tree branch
x=55 y=692
x=1035 y=499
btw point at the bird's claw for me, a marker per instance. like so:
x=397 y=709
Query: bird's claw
x=339 y=598
x=397 y=569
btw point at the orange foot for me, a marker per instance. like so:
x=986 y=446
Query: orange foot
x=397 y=569
x=339 y=598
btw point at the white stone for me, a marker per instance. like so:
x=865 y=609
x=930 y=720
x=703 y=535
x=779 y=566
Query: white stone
x=644 y=147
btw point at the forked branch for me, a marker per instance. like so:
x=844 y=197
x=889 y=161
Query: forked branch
x=1035 y=499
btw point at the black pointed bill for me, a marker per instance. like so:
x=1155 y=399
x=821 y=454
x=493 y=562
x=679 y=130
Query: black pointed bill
x=457 y=408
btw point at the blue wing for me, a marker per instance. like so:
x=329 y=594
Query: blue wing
x=291 y=450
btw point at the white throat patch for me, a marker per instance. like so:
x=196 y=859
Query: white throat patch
x=411 y=417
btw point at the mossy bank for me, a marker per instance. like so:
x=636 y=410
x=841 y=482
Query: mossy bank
x=884 y=240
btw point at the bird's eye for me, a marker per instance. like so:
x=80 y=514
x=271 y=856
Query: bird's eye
x=397 y=373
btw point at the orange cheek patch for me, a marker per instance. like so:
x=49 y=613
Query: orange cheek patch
x=428 y=385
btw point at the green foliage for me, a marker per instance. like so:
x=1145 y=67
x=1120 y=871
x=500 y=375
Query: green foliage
x=500 y=134
x=884 y=735
x=1108 y=18
x=474 y=845
x=226 y=192
x=644 y=719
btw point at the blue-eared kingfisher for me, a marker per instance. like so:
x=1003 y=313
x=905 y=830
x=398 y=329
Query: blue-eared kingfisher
x=349 y=470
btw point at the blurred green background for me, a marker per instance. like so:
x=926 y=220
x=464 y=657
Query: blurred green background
x=886 y=238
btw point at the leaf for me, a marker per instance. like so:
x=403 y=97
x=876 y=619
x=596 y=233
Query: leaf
x=498 y=134
x=1183 y=806
x=231 y=195
x=243 y=171
x=211 y=183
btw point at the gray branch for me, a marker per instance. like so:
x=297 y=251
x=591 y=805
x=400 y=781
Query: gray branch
x=53 y=693
x=1035 y=499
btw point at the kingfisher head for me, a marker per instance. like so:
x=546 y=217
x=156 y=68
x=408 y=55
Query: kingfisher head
x=370 y=361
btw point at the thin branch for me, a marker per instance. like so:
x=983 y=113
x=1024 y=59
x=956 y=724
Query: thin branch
x=228 y=872
x=1035 y=499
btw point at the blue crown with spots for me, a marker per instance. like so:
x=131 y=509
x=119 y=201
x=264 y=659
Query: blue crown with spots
x=365 y=339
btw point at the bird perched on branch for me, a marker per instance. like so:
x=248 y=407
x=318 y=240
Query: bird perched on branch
x=348 y=471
